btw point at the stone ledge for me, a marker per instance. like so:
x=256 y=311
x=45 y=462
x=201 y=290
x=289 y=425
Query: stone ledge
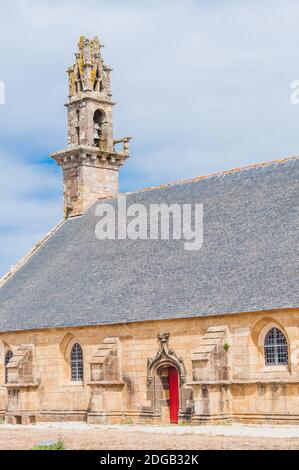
x=247 y=418
x=85 y=97
x=18 y=385
x=244 y=382
x=88 y=149
x=106 y=383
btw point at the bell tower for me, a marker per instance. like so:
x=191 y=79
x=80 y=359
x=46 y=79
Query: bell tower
x=91 y=162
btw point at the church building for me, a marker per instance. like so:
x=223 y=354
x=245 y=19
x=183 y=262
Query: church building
x=143 y=330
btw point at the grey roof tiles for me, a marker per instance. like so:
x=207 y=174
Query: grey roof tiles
x=248 y=261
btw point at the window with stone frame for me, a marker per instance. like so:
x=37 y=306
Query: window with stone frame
x=276 y=348
x=8 y=357
x=76 y=361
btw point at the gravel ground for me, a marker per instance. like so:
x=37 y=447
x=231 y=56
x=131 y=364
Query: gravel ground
x=83 y=436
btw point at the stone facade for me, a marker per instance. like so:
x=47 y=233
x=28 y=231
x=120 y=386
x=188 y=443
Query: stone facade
x=201 y=369
x=220 y=363
x=91 y=162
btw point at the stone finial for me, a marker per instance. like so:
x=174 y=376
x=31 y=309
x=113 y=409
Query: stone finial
x=89 y=73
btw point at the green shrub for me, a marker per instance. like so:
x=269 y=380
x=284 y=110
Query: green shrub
x=127 y=421
x=59 y=445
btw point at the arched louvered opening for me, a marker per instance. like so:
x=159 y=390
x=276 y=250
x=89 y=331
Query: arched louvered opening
x=98 y=119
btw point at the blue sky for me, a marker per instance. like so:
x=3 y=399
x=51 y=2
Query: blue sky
x=202 y=86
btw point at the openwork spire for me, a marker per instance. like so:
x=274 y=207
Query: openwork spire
x=89 y=73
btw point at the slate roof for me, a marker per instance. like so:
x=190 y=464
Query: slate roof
x=248 y=261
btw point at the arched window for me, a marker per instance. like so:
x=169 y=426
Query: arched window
x=276 y=348
x=8 y=357
x=76 y=363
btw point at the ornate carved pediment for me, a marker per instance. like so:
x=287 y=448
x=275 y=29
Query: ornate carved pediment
x=165 y=357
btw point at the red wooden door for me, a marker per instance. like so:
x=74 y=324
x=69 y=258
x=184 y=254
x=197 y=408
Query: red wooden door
x=173 y=380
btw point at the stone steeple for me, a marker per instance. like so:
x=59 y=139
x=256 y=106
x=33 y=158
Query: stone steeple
x=91 y=162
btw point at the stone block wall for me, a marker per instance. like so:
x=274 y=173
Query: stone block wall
x=87 y=183
x=245 y=390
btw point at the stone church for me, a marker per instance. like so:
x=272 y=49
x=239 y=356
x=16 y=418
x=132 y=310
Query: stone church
x=127 y=331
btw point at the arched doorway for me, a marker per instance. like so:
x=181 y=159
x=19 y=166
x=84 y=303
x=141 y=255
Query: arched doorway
x=165 y=378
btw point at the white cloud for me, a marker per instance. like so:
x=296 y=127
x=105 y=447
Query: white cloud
x=202 y=86
x=30 y=204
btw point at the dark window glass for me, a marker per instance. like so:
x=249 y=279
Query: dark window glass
x=8 y=357
x=76 y=363
x=276 y=348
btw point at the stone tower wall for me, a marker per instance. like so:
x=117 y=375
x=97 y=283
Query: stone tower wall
x=91 y=162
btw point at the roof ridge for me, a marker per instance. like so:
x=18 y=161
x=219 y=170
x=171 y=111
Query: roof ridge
x=210 y=175
x=30 y=253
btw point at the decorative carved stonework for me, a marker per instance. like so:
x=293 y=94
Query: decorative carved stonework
x=105 y=363
x=20 y=367
x=92 y=152
x=165 y=357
